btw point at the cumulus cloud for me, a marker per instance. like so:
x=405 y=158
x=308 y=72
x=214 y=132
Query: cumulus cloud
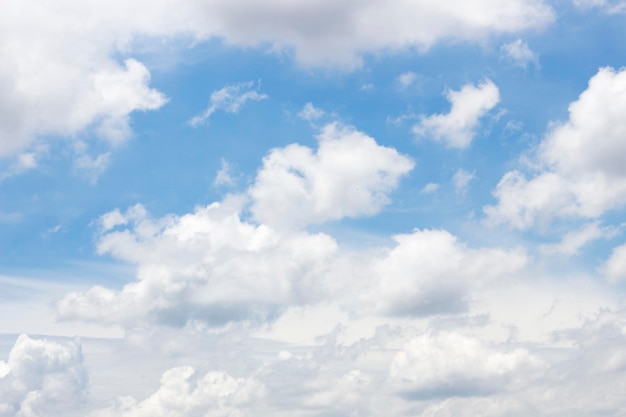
x=349 y=175
x=212 y=267
x=431 y=272
x=581 y=172
x=229 y=99
x=41 y=378
x=183 y=394
x=457 y=128
x=450 y=364
x=520 y=53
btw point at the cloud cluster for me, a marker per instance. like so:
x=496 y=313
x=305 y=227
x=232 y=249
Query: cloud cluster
x=42 y=378
x=60 y=73
x=451 y=364
x=183 y=394
x=216 y=265
x=579 y=163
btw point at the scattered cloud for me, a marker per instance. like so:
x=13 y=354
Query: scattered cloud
x=520 y=53
x=431 y=187
x=457 y=128
x=407 y=79
x=224 y=175
x=92 y=168
x=311 y=113
x=610 y=6
x=229 y=99
x=461 y=180
x=614 y=269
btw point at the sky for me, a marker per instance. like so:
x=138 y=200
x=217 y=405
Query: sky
x=312 y=208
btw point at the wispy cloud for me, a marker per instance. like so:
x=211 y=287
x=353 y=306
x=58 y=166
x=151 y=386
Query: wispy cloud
x=229 y=99
x=520 y=53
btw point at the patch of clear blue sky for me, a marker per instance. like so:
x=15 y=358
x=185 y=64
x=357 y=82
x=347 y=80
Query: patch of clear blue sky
x=169 y=166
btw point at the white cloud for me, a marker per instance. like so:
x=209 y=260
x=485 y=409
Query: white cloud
x=431 y=272
x=208 y=266
x=41 y=378
x=450 y=364
x=461 y=180
x=458 y=127
x=183 y=394
x=212 y=267
x=229 y=99
x=520 y=53
x=337 y=33
x=349 y=175
x=310 y=113
x=581 y=170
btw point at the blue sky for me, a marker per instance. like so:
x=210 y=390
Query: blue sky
x=312 y=208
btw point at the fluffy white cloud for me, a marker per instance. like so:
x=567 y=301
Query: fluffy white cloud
x=207 y=266
x=59 y=74
x=183 y=394
x=450 y=364
x=458 y=127
x=582 y=173
x=349 y=175
x=212 y=267
x=42 y=378
x=337 y=33
x=431 y=272
x=229 y=99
